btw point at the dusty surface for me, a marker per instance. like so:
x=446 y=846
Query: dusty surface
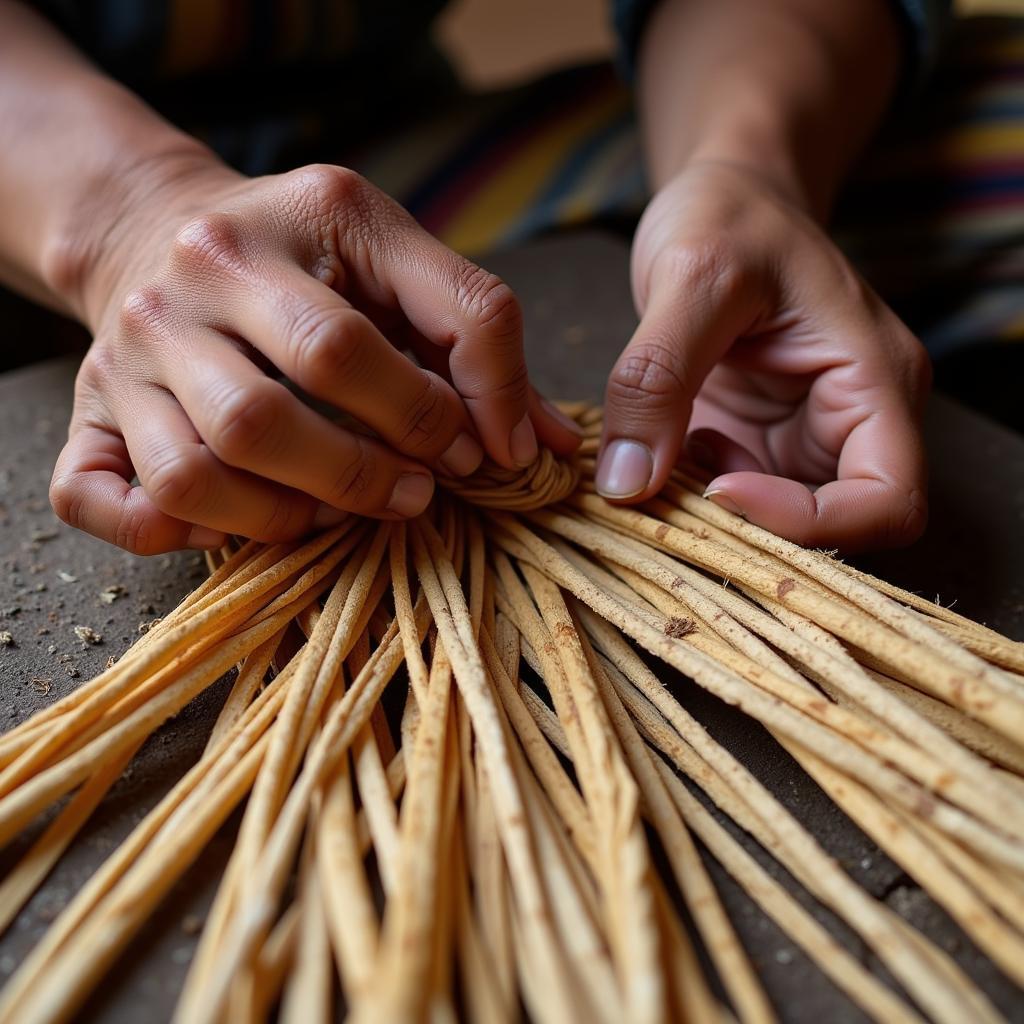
x=53 y=580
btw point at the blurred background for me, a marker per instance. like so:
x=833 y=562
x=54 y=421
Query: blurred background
x=499 y=43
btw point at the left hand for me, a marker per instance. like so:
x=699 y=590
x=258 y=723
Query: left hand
x=799 y=387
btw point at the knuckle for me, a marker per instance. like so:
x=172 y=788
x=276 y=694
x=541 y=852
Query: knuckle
x=331 y=184
x=180 y=482
x=424 y=418
x=343 y=201
x=210 y=242
x=99 y=367
x=351 y=486
x=908 y=519
x=514 y=388
x=133 y=532
x=66 y=499
x=350 y=214
x=245 y=423
x=710 y=268
x=649 y=374
x=144 y=311
x=279 y=522
x=324 y=346
x=490 y=304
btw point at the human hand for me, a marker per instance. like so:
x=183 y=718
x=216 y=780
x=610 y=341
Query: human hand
x=209 y=282
x=800 y=389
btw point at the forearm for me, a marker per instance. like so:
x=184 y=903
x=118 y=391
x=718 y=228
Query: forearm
x=791 y=88
x=80 y=156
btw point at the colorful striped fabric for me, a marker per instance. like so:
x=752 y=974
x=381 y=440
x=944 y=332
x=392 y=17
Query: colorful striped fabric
x=935 y=217
x=265 y=82
x=501 y=168
x=174 y=39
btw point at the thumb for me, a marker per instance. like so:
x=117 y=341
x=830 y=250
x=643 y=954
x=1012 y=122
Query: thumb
x=692 y=318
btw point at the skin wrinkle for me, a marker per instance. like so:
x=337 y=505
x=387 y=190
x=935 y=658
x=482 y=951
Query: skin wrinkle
x=180 y=485
x=425 y=416
x=474 y=391
x=246 y=418
x=647 y=375
x=356 y=476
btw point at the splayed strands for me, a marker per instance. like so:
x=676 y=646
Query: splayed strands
x=506 y=816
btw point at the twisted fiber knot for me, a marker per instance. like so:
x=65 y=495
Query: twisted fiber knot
x=547 y=480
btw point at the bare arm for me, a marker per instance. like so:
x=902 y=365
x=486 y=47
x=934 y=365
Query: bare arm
x=78 y=152
x=183 y=269
x=800 y=390
x=790 y=88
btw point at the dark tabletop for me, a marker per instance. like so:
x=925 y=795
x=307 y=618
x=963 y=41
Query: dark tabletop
x=579 y=314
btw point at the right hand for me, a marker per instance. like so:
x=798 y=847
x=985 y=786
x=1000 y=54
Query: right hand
x=801 y=391
x=317 y=273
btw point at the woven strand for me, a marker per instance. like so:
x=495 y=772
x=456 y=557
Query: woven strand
x=544 y=482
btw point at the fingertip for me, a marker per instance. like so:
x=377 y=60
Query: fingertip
x=203 y=538
x=411 y=495
x=786 y=507
x=721 y=498
x=625 y=469
x=327 y=516
x=522 y=443
x=513 y=447
x=851 y=514
x=908 y=521
x=463 y=456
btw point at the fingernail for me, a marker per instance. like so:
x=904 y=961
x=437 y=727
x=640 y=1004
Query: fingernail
x=722 y=500
x=327 y=515
x=567 y=421
x=522 y=443
x=411 y=495
x=204 y=537
x=462 y=456
x=625 y=469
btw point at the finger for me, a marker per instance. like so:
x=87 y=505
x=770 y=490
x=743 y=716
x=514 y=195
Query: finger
x=252 y=423
x=336 y=353
x=451 y=302
x=90 y=491
x=849 y=515
x=457 y=304
x=877 y=501
x=694 y=314
x=554 y=429
x=186 y=480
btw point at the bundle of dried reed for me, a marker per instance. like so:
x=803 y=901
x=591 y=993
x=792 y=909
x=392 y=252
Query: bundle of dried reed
x=488 y=849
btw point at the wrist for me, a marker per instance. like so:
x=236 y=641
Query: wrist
x=112 y=217
x=791 y=89
x=762 y=142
